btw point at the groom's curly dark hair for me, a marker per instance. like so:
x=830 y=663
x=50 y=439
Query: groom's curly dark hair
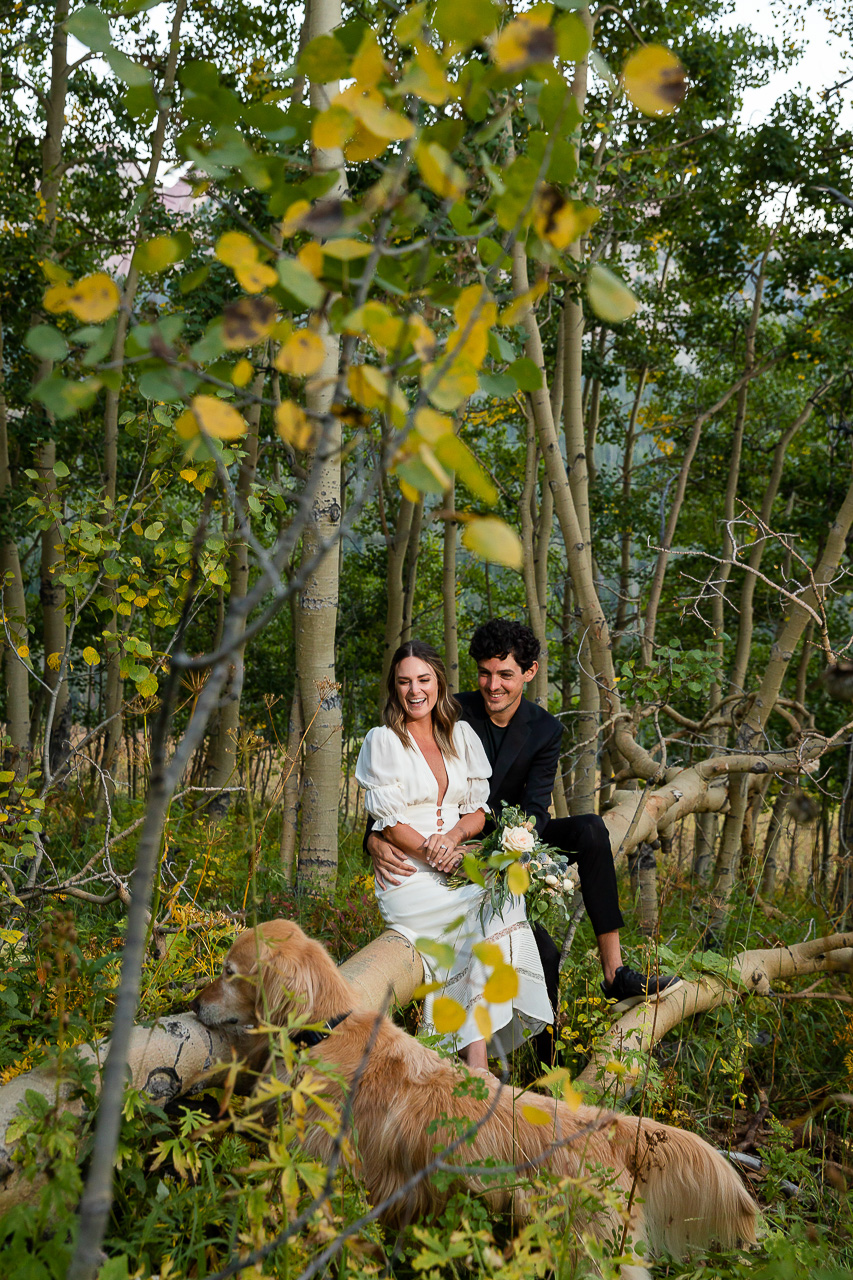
x=499 y=637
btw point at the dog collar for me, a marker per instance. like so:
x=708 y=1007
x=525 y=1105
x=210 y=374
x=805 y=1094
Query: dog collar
x=307 y=1038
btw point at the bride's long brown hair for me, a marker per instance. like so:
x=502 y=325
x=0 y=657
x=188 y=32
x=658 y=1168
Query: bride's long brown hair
x=445 y=713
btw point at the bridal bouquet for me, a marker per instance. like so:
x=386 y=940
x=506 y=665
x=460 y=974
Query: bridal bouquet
x=512 y=860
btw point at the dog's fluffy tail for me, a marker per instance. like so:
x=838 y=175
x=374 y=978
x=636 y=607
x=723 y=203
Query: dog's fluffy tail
x=692 y=1194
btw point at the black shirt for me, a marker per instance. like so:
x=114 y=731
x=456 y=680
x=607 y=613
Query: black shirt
x=494 y=739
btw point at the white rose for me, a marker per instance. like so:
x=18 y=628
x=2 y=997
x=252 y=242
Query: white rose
x=551 y=880
x=518 y=839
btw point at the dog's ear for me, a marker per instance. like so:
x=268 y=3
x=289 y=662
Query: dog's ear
x=280 y=990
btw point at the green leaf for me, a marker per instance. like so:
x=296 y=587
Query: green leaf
x=455 y=455
x=465 y=23
x=573 y=39
x=194 y=279
x=126 y=69
x=498 y=385
x=441 y=953
x=526 y=375
x=299 y=281
x=46 y=342
x=609 y=298
x=324 y=59
x=140 y=102
x=112 y=568
x=153 y=256
x=492 y=539
x=60 y=470
x=63 y=397
x=90 y=27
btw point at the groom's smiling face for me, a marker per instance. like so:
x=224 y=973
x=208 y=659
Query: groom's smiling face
x=502 y=682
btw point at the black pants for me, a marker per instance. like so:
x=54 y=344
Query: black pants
x=586 y=842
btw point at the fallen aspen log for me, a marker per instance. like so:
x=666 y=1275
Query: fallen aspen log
x=169 y=1058
x=629 y=1041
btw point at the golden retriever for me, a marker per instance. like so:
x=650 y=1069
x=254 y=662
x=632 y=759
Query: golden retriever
x=677 y=1189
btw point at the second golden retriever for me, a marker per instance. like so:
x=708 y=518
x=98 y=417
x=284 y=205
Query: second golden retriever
x=677 y=1190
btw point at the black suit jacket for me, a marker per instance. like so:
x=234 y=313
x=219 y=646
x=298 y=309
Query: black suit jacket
x=526 y=766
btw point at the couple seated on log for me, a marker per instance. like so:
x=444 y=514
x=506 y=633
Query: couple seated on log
x=431 y=772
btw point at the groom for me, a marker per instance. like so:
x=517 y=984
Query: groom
x=522 y=742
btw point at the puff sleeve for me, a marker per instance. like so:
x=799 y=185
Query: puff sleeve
x=478 y=769
x=379 y=770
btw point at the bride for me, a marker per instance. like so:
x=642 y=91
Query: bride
x=425 y=777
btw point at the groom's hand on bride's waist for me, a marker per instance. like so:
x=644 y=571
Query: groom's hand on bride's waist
x=388 y=861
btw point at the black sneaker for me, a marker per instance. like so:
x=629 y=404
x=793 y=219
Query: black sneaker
x=630 y=987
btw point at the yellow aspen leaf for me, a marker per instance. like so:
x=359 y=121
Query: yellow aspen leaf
x=422 y=470
x=23 y=650
x=371 y=388
x=368 y=65
x=54 y=273
x=218 y=418
x=561 y=221
x=247 y=322
x=571 y=1097
x=512 y=313
x=94 y=298
x=372 y=111
x=236 y=249
x=311 y=258
x=91 y=656
x=409 y=491
x=426 y=989
x=432 y=426
x=555 y=1075
x=488 y=953
x=293 y=425
x=241 y=374
x=425 y=77
x=187 y=428
x=364 y=145
x=471 y=343
x=609 y=298
x=492 y=539
x=137 y=527
x=56 y=298
x=449 y=385
x=256 y=276
x=476 y=302
x=410 y=24
x=302 y=354
x=292 y=220
x=329 y=131
x=448 y=1014
x=654 y=80
x=526 y=41
x=54 y=661
x=148 y=687
x=441 y=954
x=140 y=601
x=124 y=609
x=484 y=1022
x=347 y=249
x=439 y=172
x=421 y=336
x=536 y=1115
x=502 y=985
x=517 y=879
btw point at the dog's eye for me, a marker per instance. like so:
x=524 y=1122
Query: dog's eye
x=228 y=970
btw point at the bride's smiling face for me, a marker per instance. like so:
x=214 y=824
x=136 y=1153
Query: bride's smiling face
x=417 y=688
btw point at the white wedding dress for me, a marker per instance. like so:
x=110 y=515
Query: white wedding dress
x=399 y=786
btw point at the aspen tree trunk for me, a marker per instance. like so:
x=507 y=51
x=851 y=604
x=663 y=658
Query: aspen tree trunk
x=290 y=798
x=52 y=592
x=224 y=753
x=114 y=683
x=704 y=843
x=54 y=628
x=448 y=595
x=412 y=570
x=530 y=567
x=317 y=609
x=771 y=840
x=397 y=549
x=627 y=480
x=14 y=606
